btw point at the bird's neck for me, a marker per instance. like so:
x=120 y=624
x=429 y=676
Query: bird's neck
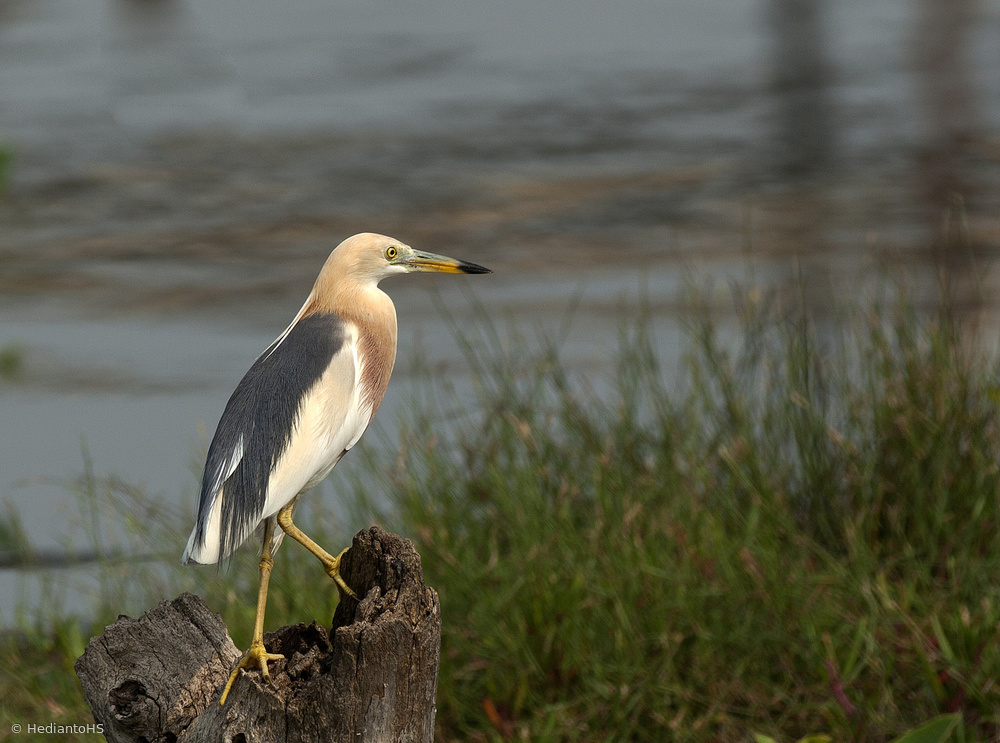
x=373 y=316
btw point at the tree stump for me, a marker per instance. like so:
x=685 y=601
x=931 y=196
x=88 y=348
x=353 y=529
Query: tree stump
x=372 y=677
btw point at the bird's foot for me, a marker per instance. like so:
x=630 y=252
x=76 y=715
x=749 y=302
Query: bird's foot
x=333 y=570
x=256 y=657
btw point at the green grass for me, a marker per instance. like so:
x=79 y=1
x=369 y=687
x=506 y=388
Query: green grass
x=799 y=537
x=798 y=541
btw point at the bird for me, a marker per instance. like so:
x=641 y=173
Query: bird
x=303 y=404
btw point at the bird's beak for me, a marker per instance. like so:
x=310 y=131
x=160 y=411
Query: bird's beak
x=421 y=261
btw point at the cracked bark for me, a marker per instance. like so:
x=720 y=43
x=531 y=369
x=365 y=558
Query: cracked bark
x=372 y=677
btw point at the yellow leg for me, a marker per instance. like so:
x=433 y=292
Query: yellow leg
x=257 y=656
x=330 y=563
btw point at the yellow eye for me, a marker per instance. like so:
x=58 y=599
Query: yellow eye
x=391 y=252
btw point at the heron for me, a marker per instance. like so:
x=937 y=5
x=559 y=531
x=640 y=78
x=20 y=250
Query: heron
x=304 y=403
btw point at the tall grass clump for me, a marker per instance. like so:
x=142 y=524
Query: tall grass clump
x=801 y=535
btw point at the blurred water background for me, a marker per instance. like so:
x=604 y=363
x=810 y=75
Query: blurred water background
x=177 y=171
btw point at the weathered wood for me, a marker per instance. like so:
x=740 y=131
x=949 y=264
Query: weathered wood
x=373 y=677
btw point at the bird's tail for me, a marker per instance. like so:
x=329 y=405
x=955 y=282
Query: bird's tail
x=207 y=551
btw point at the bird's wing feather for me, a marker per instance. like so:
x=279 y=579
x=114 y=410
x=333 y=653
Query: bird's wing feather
x=256 y=431
x=333 y=417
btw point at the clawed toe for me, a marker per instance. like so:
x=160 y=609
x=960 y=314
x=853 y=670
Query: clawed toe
x=256 y=657
x=333 y=570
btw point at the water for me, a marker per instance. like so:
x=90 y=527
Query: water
x=182 y=169
x=73 y=65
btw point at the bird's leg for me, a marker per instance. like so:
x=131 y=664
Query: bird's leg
x=257 y=656
x=330 y=563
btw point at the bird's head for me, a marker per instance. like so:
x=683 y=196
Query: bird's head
x=370 y=258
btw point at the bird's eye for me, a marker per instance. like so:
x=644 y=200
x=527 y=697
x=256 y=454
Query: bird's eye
x=391 y=252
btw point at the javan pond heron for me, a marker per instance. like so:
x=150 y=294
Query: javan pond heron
x=304 y=403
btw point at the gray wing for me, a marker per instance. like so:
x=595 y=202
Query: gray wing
x=255 y=430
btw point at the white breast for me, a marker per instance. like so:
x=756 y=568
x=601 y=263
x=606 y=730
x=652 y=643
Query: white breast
x=332 y=418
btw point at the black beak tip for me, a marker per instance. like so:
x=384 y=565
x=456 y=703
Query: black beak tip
x=474 y=268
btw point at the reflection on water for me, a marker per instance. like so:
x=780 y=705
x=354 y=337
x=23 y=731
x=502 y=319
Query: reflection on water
x=803 y=146
x=946 y=179
x=182 y=169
